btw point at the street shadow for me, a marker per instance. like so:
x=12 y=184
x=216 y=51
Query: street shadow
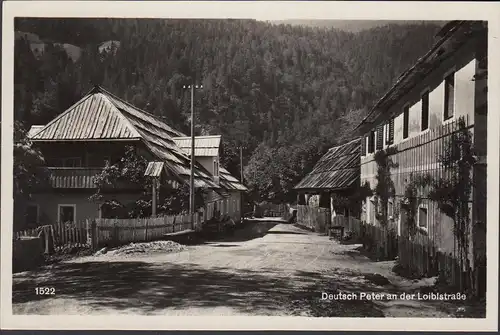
x=249 y=231
x=147 y=288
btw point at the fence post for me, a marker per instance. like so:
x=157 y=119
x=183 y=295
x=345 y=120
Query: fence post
x=93 y=235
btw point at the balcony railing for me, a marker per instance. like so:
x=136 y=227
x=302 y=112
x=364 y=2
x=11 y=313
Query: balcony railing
x=77 y=177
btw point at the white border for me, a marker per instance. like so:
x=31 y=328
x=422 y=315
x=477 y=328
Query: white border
x=263 y=11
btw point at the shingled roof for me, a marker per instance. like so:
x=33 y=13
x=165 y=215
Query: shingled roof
x=452 y=37
x=229 y=182
x=338 y=169
x=100 y=115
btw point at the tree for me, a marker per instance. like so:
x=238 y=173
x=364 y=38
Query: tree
x=29 y=172
x=261 y=93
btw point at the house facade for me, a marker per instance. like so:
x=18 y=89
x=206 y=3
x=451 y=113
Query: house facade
x=333 y=182
x=413 y=124
x=98 y=129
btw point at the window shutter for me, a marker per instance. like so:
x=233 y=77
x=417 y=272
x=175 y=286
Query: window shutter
x=406 y=120
x=390 y=139
x=425 y=111
x=380 y=137
x=363 y=146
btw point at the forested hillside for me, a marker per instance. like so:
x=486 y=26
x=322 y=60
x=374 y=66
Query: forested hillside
x=286 y=93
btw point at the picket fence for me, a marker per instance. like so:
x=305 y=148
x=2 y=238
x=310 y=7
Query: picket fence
x=315 y=218
x=112 y=232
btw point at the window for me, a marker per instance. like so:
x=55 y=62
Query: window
x=422 y=217
x=371 y=142
x=363 y=147
x=32 y=215
x=389 y=134
x=425 y=111
x=216 y=168
x=67 y=213
x=449 y=96
x=390 y=208
x=406 y=120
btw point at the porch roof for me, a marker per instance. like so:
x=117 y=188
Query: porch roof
x=338 y=169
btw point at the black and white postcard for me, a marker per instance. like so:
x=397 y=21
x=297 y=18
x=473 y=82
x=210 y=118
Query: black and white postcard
x=250 y=165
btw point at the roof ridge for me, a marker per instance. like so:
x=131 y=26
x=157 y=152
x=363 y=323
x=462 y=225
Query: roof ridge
x=125 y=119
x=67 y=111
x=346 y=143
x=103 y=90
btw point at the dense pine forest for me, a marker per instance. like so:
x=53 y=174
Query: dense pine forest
x=286 y=93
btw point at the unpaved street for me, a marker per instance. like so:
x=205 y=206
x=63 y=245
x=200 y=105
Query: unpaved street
x=266 y=269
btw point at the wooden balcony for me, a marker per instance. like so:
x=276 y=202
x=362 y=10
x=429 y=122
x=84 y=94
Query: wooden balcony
x=78 y=177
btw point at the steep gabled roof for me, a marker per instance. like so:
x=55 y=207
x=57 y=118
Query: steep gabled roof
x=338 y=169
x=102 y=116
x=204 y=146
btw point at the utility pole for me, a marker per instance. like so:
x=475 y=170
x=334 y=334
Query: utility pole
x=242 y=181
x=241 y=164
x=191 y=177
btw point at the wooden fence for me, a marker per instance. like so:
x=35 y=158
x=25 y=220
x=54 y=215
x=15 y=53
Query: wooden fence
x=381 y=242
x=122 y=231
x=63 y=233
x=315 y=218
x=100 y=232
x=417 y=257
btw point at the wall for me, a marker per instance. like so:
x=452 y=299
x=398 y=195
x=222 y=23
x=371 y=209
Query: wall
x=230 y=206
x=207 y=163
x=419 y=152
x=85 y=209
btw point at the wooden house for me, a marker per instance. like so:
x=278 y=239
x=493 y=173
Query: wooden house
x=413 y=124
x=228 y=199
x=96 y=129
x=331 y=186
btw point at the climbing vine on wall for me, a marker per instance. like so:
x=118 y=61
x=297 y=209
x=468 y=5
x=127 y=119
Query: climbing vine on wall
x=384 y=190
x=453 y=193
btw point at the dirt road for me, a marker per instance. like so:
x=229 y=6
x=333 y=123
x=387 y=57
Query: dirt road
x=266 y=269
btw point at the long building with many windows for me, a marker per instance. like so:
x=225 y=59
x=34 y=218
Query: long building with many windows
x=414 y=127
